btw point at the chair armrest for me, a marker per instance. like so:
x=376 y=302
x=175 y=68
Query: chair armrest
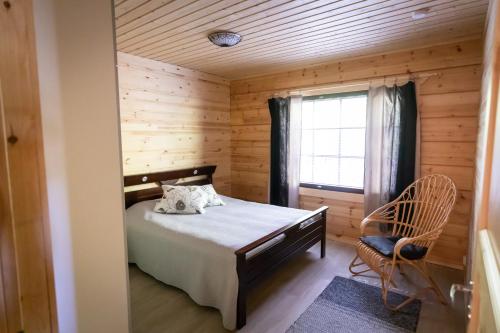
x=369 y=220
x=382 y=215
x=428 y=236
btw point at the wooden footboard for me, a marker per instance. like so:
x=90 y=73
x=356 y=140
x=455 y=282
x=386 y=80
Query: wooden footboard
x=260 y=258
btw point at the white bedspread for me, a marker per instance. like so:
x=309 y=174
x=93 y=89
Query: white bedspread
x=196 y=252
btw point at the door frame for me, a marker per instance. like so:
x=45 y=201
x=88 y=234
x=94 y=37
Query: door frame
x=28 y=294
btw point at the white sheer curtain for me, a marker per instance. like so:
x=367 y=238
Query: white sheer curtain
x=379 y=116
x=382 y=145
x=294 y=151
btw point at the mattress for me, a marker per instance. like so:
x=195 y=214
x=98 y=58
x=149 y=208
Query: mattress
x=196 y=252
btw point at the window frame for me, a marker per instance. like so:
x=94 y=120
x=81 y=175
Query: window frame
x=334 y=188
x=329 y=187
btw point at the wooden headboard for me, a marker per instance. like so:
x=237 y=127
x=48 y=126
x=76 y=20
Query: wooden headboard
x=191 y=176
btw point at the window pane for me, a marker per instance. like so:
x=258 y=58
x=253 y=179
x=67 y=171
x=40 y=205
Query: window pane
x=352 y=172
x=326 y=142
x=306 y=146
x=307 y=114
x=353 y=112
x=306 y=169
x=333 y=141
x=327 y=113
x=326 y=170
x=352 y=142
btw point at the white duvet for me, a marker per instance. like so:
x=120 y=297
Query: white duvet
x=196 y=252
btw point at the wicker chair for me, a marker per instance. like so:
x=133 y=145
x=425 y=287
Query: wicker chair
x=418 y=217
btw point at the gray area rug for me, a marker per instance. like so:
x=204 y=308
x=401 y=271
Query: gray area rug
x=347 y=305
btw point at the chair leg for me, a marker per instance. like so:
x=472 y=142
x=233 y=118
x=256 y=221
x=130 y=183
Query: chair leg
x=384 y=290
x=354 y=264
x=423 y=270
x=386 y=279
x=399 y=306
x=354 y=273
x=433 y=285
x=400 y=269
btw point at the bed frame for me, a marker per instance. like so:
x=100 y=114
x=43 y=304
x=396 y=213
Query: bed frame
x=256 y=260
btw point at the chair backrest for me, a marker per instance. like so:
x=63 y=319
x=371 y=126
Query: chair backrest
x=424 y=206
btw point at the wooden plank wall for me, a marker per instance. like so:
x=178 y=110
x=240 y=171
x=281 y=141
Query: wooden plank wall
x=485 y=229
x=172 y=118
x=487 y=118
x=27 y=287
x=448 y=85
x=449 y=106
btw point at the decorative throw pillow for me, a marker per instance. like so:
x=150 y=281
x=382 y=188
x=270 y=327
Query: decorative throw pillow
x=212 y=196
x=181 y=200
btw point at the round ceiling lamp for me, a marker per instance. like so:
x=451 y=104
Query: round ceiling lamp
x=224 y=38
x=420 y=13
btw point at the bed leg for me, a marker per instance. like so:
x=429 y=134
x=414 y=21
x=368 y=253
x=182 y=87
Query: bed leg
x=323 y=246
x=323 y=235
x=241 y=309
x=241 y=304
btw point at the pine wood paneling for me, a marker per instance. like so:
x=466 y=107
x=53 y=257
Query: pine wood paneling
x=281 y=35
x=449 y=129
x=449 y=106
x=173 y=117
x=448 y=102
x=344 y=214
x=484 y=259
x=27 y=299
x=448 y=153
x=488 y=124
x=426 y=59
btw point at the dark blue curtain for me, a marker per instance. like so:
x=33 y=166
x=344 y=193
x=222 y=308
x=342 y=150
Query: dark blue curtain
x=280 y=130
x=403 y=165
x=402 y=172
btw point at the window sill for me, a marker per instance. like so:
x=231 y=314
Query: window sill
x=333 y=188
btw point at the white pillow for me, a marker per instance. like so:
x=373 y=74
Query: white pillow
x=181 y=200
x=212 y=196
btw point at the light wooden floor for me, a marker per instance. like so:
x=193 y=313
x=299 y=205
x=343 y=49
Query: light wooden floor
x=280 y=300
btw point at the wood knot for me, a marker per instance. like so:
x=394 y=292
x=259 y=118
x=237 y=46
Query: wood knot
x=12 y=139
x=7 y=4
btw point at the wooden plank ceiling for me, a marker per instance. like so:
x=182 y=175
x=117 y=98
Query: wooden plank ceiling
x=280 y=35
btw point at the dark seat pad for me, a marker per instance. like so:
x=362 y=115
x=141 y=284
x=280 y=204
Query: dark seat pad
x=385 y=246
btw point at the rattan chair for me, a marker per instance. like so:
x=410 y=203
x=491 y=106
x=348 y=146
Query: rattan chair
x=417 y=218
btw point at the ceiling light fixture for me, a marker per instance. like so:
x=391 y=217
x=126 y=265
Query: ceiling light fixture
x=420 y=13
x=224 y=38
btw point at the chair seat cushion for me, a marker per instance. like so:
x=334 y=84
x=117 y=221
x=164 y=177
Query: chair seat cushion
x=385 y=246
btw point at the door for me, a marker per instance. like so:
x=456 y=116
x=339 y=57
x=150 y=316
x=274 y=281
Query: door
x=27 y=302
x=485 y=307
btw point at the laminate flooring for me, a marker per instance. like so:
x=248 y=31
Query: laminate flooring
x=279 y=300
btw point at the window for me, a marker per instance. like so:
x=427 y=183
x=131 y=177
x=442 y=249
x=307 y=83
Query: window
x=333 y=141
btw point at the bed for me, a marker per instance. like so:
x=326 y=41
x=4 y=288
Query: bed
x=216 y=257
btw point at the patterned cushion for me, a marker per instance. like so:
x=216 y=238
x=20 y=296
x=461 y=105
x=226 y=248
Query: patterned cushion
x=181 y=200
x=213 y=197
x=385 y=246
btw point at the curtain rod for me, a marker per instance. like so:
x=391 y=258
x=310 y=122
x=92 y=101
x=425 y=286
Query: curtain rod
x=363 y=83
